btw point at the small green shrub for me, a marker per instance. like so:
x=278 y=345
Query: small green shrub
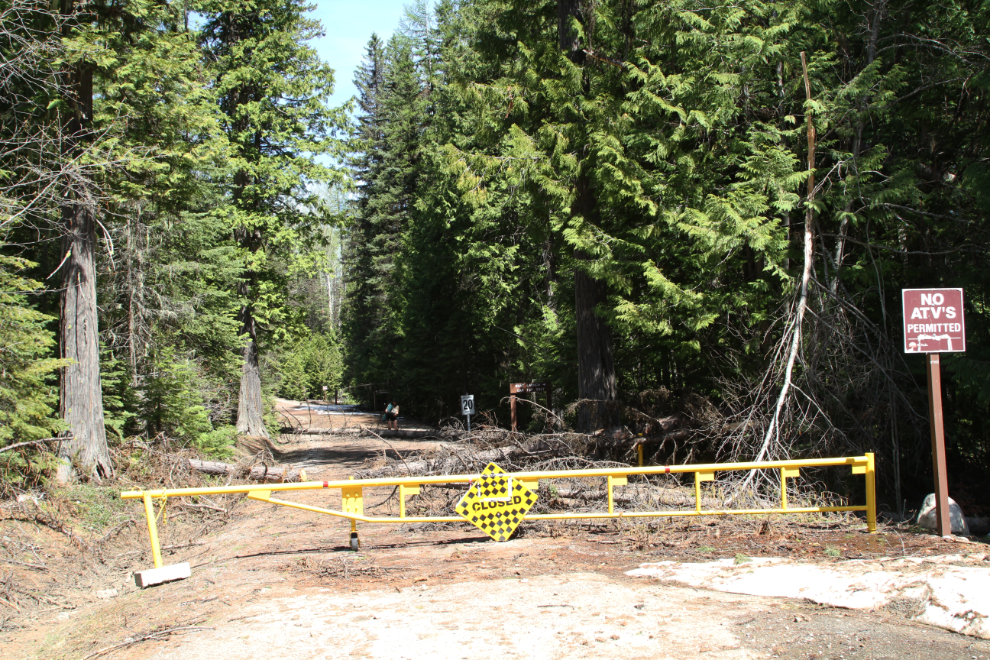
x=740 y=558
x=119 y=401
x=219 y=442
x=173 y=405
x=28 y=392
x=304 y=367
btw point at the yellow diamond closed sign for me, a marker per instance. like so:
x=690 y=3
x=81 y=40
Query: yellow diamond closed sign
x=496 y=503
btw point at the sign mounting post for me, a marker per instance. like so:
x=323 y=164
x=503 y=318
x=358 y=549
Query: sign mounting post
x=933 y=324
x=467 y=408
x=521 y=388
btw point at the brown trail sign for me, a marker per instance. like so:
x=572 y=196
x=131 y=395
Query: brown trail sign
x=933 y=324
x=933 y=321
x=522 y=388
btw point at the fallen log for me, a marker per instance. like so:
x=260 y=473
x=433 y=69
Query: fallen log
x=675 y=436
x=361 y=431
x=212 y=467
x=327 y=431
x=656 y=429
x=405 y=434
x=265 y=473
x=454 y=460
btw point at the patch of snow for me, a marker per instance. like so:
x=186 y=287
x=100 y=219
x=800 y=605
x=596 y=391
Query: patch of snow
x=333 y=409
x=951 y=591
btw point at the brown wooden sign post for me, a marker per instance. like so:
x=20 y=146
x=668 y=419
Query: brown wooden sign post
x=522 y=388
x=933 y=324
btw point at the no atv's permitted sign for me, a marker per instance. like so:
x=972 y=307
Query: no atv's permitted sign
x=933 y=324
x=933 y=321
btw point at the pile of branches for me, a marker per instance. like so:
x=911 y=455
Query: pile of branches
x=470 y=453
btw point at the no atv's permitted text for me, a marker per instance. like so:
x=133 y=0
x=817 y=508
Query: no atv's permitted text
x=933 y=321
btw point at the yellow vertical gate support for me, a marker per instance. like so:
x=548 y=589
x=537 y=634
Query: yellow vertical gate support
x=639 y=450
x=871 y=493
x=149 y=513
x=406 y=491
x=614 y=481
x=784 y=474
x=352 y=501
x=698 y=478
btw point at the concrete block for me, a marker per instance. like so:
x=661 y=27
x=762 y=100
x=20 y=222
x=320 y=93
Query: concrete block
x=155 y=576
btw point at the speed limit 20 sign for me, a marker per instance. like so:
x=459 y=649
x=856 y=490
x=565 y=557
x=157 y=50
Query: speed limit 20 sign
x=933 y=321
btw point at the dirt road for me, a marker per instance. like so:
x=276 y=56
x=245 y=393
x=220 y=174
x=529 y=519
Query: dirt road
x=281 y=583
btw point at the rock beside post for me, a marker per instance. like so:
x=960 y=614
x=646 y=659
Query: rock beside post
x=926 y=517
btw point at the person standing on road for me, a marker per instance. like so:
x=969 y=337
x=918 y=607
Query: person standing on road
x=392 y=416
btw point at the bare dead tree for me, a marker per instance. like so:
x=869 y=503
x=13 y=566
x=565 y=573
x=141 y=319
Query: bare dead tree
x=835 y=381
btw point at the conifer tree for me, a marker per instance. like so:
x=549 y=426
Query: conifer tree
x=167 y=288
x=390 y=153
x=574 y=119
x=80 y=391
x=273 y=91
x=367 y=143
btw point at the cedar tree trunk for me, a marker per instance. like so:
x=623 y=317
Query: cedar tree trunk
x=250 y=407
x=596 y=369
x=80 y=393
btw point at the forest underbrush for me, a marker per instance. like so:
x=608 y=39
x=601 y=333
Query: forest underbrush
x=69 y=553
x=62 y=546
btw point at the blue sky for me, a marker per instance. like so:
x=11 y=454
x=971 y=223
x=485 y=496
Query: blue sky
x=348 y=26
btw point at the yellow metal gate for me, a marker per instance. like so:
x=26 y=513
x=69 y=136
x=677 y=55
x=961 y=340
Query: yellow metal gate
x=352 y=493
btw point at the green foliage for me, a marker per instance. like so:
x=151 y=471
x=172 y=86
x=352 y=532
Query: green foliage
x=169 y=286
x=277 y=122
x=28 y=393
x=305 y=367
x=172 y=405
x=294 y=380
x=667 y=158
x=119 y=397
x=219 y=442
x=388 y=143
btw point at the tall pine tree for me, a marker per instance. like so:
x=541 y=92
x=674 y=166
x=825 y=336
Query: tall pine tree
x=389 y=135
x=274 y=92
